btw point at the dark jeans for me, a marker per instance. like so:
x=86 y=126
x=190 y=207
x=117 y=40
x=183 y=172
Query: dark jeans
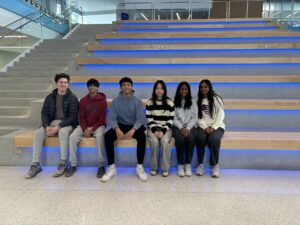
x=184 y=145
x=111 y=136
x=213 y=141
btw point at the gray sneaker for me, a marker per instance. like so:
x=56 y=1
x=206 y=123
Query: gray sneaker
x=60 y=169
x=33 y=171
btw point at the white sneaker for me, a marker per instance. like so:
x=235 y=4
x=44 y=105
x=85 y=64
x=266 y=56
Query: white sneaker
x=153 y=172
x=109 y=174
x=188 y=170
x=200 y=170
x=181 y=171
x=140 y=172
x=165 y=173
x=215 y=171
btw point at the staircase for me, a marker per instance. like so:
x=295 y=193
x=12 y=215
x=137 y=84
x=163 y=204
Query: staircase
x=256 y=71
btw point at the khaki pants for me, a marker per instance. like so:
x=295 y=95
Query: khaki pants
x=40 y=135
x=165 y=154
x=75 y=138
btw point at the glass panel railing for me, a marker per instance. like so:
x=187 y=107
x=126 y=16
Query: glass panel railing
x=193 y=9
x=283 y=10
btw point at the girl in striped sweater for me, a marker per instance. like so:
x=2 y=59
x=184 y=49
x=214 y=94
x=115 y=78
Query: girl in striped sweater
x=160 y=114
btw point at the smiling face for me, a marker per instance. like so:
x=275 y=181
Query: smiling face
x=126 y=88
x=62 y=85
x=93 y=90
x=159 y=91
x=204 y=89
x=183 y=91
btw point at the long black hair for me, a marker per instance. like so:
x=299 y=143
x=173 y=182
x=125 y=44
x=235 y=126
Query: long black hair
x=210 y=97
x=165 y=95
x=188 y=98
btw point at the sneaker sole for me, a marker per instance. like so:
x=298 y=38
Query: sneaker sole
x=30 y=177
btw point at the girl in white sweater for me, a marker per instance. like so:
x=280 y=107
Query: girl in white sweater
x=211 y=126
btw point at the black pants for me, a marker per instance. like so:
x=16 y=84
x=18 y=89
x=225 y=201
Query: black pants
x=184 y=145
x=213 y=141
x=111 y=136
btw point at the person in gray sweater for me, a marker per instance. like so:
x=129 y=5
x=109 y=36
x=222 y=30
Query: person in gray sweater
x=184 y=127
x=127 y=120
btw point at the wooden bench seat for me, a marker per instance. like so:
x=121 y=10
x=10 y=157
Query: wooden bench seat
x=231 y=140
x=191 y=25
x=247 y=60
x=194 y=46
x=227 y=34
x=253 y=104
x=193 y=79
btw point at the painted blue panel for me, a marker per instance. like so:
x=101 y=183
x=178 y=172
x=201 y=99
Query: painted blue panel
x=193 y=23
x=240 y=50
x=245 y=65
x=200 y=40
x=208 y=29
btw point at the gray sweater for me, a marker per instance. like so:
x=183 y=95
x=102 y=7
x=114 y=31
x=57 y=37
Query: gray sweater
x=127 y=110
x=186 y=118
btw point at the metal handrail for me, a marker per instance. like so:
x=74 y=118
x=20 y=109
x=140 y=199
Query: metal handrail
x=24 y=17
x=11 y=31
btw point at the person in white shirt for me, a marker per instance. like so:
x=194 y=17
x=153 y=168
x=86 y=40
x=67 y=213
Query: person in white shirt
x=210 y=126
x=185 y=127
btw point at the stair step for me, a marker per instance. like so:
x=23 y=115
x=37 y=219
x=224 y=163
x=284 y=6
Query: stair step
x=14 y=111
x=7 y=77
x=23 y=94
x=25 y=86
x=16 y=101
x=35 y=67
x=41 y=62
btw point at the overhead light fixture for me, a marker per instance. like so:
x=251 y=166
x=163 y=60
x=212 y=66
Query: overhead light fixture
x=178 y=17
x=142 y=14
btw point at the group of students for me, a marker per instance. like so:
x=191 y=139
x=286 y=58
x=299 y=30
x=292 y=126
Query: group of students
x=191 y=123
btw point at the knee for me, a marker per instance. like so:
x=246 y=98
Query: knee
x=39 y=132
x=212 y=140
x=140 y=134
x=109 y=134
x=153 y=141
x=63 y=132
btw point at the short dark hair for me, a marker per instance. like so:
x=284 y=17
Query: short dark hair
x=93 y=82
x=61 y=75
x=125 y=79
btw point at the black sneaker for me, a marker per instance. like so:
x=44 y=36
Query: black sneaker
x=33 y=171
x=101 y=172
x=70 y=171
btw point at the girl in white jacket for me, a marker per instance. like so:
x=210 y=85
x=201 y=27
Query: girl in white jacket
x=210 y=126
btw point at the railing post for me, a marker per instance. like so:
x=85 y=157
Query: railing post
x=292 y=17
x=171 y=10
x=247 y=8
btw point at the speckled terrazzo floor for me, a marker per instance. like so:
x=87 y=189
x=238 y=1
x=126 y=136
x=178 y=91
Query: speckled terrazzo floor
x=238 y=197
